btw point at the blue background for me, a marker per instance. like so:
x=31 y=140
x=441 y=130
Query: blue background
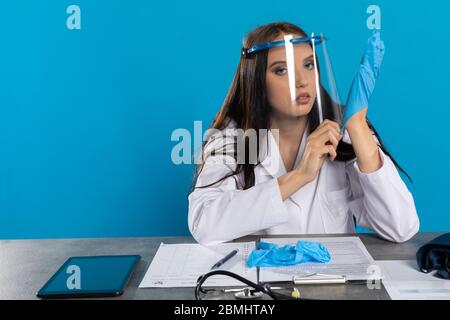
x=86 y=116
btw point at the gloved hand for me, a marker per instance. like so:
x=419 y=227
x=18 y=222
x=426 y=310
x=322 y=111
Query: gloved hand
x=364 y=81
x=270 y=255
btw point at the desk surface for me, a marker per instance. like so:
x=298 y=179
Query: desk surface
x=25 y=265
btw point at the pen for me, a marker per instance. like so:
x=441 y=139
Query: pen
x=317 y=278
x=224 y=259
x=241 y=289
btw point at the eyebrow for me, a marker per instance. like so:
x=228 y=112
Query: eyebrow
x=282 y=61
x=276 y=62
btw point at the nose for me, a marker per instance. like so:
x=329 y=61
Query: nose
x=300 y=82
x=300 y=79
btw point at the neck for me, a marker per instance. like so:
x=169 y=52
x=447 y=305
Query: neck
x=290 y=128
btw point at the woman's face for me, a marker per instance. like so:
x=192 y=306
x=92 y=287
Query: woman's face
x=277 y=80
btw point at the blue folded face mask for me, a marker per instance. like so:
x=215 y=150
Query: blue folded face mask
x=270 y=255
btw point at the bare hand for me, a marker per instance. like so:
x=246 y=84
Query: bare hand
x=320 y=144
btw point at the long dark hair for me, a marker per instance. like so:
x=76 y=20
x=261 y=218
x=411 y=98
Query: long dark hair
x=246 y=104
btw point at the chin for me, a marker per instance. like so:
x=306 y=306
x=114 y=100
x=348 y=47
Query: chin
x=302 y=110
x=291 y=111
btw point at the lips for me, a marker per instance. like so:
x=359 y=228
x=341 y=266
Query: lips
x=303 y=98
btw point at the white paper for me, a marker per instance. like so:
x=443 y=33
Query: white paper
x=403 y=281
x=349 y=258
x=180 y=265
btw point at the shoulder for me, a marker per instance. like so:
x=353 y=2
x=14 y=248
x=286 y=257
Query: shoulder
x=216 y=139
x=219 y=149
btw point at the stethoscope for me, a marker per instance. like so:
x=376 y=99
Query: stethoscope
x=253 y=291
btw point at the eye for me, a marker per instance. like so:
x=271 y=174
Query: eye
x=280 y=71
x=309 y=65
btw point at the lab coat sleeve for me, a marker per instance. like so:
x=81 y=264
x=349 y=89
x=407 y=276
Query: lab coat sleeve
x=223 y=212
x=382 y=202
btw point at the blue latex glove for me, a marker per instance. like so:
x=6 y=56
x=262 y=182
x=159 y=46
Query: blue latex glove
x=364 y=81
x=270 y=255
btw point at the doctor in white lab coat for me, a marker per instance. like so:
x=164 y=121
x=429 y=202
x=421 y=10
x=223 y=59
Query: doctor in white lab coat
x=297 y=186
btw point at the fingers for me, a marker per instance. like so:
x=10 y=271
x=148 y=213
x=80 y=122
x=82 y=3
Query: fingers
x=328 y=123
x=325 y=126
x=328 y=150
x=325 y=139
x=321 y=143
x=324 y=151
x=328 y=137
x=328 y=132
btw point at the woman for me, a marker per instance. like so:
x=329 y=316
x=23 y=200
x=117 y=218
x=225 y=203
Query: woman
x=325 y=181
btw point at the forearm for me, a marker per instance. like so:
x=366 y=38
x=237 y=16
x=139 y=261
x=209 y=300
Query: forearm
x=382 y=202
x=290 y=183
x=366 y=149
x=219 y=215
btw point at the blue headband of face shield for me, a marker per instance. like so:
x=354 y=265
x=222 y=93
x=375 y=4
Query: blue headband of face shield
x=250 y=52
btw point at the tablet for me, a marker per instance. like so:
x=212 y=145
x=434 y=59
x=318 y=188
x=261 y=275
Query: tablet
x=92 y=276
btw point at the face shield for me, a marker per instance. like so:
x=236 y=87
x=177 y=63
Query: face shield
x=300 y=78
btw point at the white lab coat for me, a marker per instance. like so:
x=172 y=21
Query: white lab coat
x=379 y=200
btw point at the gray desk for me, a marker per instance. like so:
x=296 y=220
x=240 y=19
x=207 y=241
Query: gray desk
x=25 y=265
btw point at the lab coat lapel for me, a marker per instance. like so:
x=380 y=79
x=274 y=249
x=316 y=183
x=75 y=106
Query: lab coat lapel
x=299 y=197
x=272 y=162
x=312 y=187
x=273 y=166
